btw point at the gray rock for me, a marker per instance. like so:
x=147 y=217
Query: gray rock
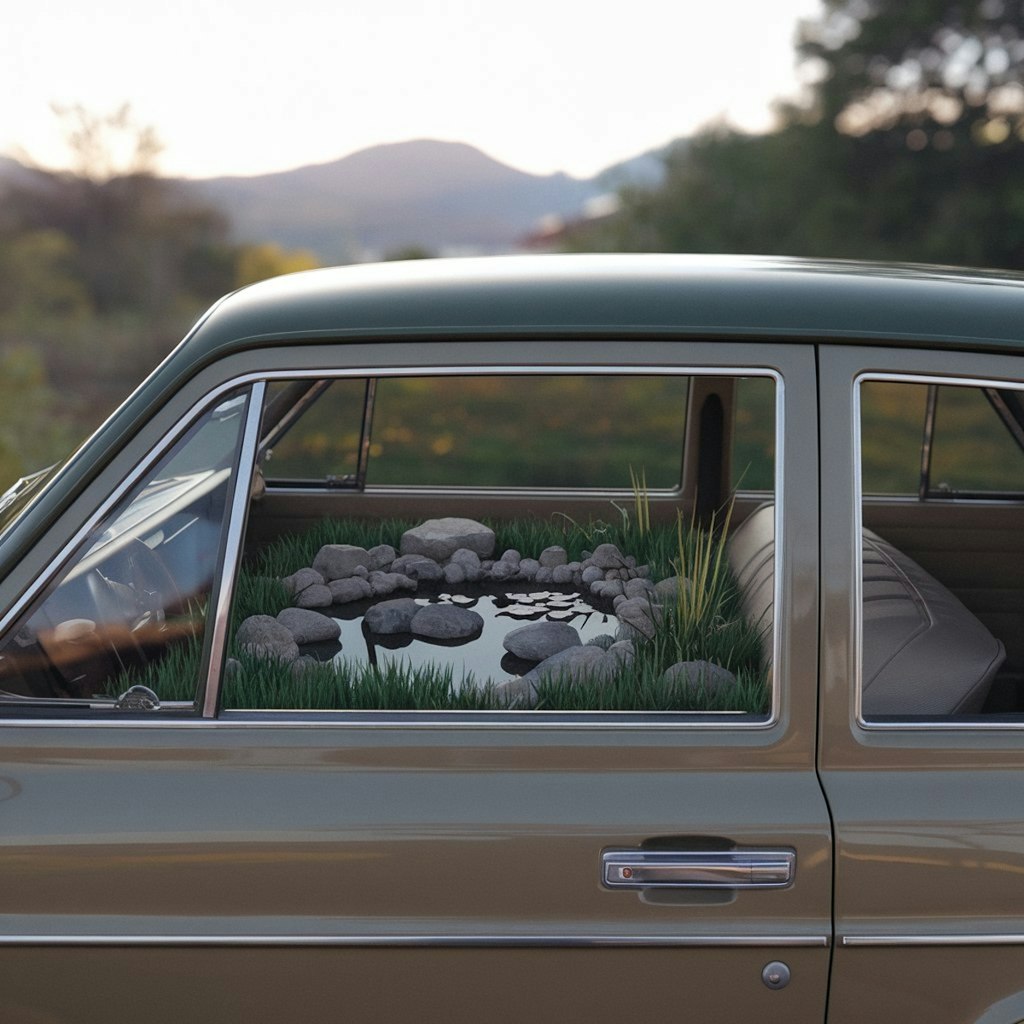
x=304 y=667
x=338 y=561
x=618 y=599
x=577 y=663
x=391 y=616
x=667 y=590
x=309 y=627
x=353 y=589
x=384 y=583
x=418 y=567
x=446 y=622
x=592 y=574
x=469 y=561
x=550 y=557
x=382 y=556
x=315 y=597
x=512 y=557
x=637 y=614
x=454 y=574
x=604 y=641
x=606 y=588
x=516 y=693
x=561 y=574
x=623 y=651
x=544 y=575
x=360 y=571
x=502 y=571
x=539 y=640
x=439 y=539
x=265 y=637
x=528 y=569
x=302 y=580
x=608 y=556
x=639 y=588
x=701 y=675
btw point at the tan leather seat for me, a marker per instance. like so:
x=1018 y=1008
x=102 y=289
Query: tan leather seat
x=924 y=653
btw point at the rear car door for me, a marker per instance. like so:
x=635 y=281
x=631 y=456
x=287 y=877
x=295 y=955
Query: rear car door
x=922 y=746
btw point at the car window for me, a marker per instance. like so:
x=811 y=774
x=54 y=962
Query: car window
x=528 y=431
x=940 y=600
x=937 y=440
x=130 y=608
x=631 y=605
x=315 y=436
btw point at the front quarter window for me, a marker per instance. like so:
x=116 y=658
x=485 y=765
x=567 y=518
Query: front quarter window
x=131 y=605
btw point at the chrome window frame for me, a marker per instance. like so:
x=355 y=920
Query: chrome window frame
x=243 y=467
x=969 y=723
x=208 y=693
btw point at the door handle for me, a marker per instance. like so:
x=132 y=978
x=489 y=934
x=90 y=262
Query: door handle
x=710 y=869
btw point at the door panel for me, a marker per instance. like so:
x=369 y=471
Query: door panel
x=387 y=844
x=928 y=813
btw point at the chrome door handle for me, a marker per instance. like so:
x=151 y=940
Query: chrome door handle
x=711 y=869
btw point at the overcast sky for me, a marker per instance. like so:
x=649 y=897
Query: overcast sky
x=249 y=86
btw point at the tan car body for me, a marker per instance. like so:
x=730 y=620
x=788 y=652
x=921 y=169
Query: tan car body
x=359 y=866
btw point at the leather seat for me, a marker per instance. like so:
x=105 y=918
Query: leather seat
x=924 y=653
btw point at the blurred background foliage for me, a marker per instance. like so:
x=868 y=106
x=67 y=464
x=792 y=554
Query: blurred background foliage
x=906 y=144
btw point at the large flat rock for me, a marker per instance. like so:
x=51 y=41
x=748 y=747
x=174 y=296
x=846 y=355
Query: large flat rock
x=439 y=539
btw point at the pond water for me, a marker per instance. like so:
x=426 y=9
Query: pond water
x=481 y=656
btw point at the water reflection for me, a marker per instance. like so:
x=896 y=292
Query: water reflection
x=483 y=655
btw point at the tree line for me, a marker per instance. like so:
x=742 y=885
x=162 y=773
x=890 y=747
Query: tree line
x=908 y=144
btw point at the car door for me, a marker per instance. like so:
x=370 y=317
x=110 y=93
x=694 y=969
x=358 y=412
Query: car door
x=269 y=865
x=922 y=747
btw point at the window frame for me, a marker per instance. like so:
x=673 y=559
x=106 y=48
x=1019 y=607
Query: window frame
x=214 y=633
x=207 y=702
x=892 y=723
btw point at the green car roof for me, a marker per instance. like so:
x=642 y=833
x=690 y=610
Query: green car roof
x=602 y=295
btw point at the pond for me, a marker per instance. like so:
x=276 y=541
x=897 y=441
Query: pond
x=482 y=655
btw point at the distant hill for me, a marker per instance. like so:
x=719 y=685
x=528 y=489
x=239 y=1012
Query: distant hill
x=446 y=197
x=443 y=196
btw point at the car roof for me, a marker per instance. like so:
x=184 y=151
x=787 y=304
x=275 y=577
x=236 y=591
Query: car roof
x=622 y=296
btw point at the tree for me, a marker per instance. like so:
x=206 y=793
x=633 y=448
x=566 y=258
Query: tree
x=907 y=147
x=940 y=73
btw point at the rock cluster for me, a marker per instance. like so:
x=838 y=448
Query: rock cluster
x=453 y=551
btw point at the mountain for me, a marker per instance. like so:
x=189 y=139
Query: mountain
x=442 y=196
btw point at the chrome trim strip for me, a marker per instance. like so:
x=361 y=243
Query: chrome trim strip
x=245 y=468
x=449 y=718
x=454 y=941
x=853 y=941
x=939 y=725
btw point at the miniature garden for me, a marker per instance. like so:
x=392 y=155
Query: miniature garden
x=456 y=613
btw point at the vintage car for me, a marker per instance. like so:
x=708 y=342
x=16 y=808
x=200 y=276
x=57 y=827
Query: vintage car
x=531 y=639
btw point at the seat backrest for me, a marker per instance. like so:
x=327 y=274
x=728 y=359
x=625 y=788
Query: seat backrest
x=923 y=652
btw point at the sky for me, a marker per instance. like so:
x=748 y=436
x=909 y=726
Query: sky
x=235 y=87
